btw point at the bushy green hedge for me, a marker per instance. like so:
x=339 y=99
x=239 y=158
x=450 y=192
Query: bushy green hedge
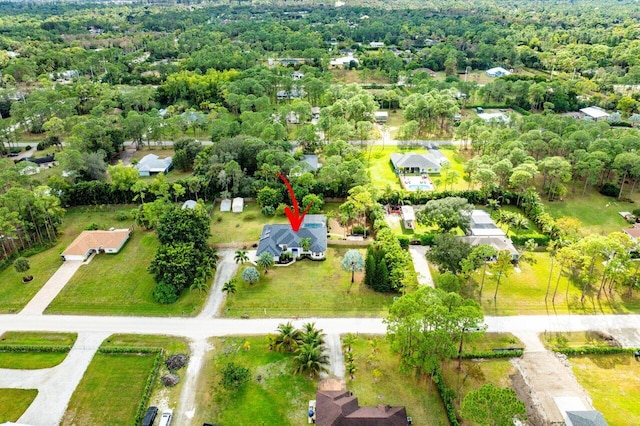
x=35 y=348
x=597 y=350
x=404 y=241
x=128 y=350
x=426 y=239
x=492 y=354
x=448 y=396
x=540 y=240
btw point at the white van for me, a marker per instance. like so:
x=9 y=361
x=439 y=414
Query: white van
x=167 y=415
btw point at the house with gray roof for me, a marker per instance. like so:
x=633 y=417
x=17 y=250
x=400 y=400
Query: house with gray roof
x=151 y=164
x=310 y=162
x=279 y=238
x=585 y=418
x=415 y=163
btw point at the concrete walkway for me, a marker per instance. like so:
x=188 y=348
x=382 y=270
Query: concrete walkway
x=55 y=385
x=187 y=407
x=418 y=254
x=50 y=290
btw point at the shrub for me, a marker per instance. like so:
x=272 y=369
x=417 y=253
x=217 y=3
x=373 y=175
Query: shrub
x=595 y=350
x=165 y=293
x=636 y=212
x=610 y=190
x=42 y=146
x=92 y=227
x=426 y=239
x=249 y=217
x=121 y=216
x=358 y=230
x=268 y=211
x=27 y=148
x=15 y=150
x=540 y=240
x=234 y=376
x=404 y=241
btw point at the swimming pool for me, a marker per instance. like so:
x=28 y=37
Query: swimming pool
x=422 y=187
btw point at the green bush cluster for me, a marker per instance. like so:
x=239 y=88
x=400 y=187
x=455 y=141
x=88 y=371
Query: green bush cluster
x=539 y=239
x=448 y=397
x=35 y=348
x=596 y=350
x=492 y=354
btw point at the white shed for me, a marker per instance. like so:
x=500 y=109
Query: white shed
x=237 y=205
x=408 y=217
x=225 y=205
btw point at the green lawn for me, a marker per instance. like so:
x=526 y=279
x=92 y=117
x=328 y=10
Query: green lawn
x=14 y=402
x=598 y=214
x=390 y=386
x=573 y=339
x=119 y=284
x=34 y=360
x=307 y=288
x=110 y=390
x=14 y=295
x=273 y=394
x=522 y=293
x=113 y=384
x=612 y=382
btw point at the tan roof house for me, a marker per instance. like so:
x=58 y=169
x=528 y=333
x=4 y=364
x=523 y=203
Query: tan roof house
x=89 y=242
x=634 y=232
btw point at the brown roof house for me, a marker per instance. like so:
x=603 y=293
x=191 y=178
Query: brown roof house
x=340 y=408
x=89 y=242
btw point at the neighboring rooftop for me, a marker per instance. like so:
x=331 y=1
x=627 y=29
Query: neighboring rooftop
x=109 y=241
x=594 y=112
x=340 y=408
x=585 y=418
x=481 y=225
x=151 y=163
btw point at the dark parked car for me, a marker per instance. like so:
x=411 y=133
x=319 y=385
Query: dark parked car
x=148 y=419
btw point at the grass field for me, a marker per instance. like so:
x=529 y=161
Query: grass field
x=14 y=402
x=612 y=382
x=522 y=293
x=273 y=394
x=307 y=288
x=390 y=386
x=113 y=384
x=575 y=339
x=110 y=390
x=34 y=360
x=14 y=295
x=119 y=284
x=597 y=213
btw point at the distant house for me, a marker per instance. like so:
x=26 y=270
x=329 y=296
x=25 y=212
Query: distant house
x=280 y=238
x=310 y=162
x=341 y=408
x=315 y=113
x=482 y=225
x=237 y=206
x=497 y=72
x=595 y=113
x=634 y=232
x=376 y=44
x=344 y=60
x=297 y=75
x=381 y=116
x=498 y=243
x=494 y=117
x=413 y=163
x=290 y=94
x=89 y=242
x=189 y=204
x=225 y=205
x=285 y=61
x=42 y=160
x=408 y=217
x=152 y=164
x=429 y=71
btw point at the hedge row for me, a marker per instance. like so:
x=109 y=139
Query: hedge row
x=35 y=348
x=602 y=350
x=448 y=396
x=492 y=354
x=148 y=386
x=540 y=240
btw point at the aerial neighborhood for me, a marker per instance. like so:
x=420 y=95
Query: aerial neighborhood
x=350 y=213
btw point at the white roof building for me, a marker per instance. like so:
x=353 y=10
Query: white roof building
x=594 y=112
x=345 y=60
x=494 y=117
x=497 y=72
x=151 y=163
x=225 y=205
x=237 y=205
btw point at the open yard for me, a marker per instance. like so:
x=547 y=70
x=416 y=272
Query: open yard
x=597 y=213
x=14 y=295
x=522 y=293
x=612 y=382
x=119 y=284
x=33 y=359
x=113 y=385
x=307 y=288
x=14 y=402
x=377 y=380
x=273 y=394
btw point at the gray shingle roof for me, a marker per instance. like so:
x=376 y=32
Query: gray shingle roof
x=276 y=235
x=422 y=161
x=586 y=418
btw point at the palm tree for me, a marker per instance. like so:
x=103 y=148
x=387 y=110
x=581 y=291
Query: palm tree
x=230 y=286
x=348 y=341
x=241 y=256
x=351 y=369
x=288 y=338
x=311 y=359
x=265 y=261
x=311 y=335
x=251 y=275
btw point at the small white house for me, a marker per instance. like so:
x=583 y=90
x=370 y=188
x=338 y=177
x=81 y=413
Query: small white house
x=381 y=116
x=189 y=204
x=595 y=113
x=237 y=206
x=497 y=72
x=89 y=242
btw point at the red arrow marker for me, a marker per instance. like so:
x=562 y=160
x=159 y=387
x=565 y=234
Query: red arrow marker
x=295 y=218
